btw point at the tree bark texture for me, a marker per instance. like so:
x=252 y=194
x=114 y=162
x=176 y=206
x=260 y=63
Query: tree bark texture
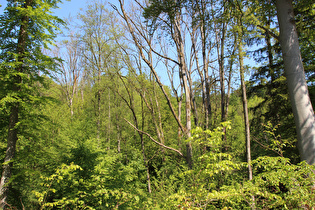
x=298 y=90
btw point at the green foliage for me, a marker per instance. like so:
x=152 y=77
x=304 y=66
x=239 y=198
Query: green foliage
x=304 y=14
x=92 y=159
x=275 y=142
x=210 y=139
x=22 y=86
x=274 y=109
x=209 y=172
x=40 y=31
x=281 y=184
x=27 y=28
x=109 y=184
x=64 y=176
x=158 y=7
x=217 y=182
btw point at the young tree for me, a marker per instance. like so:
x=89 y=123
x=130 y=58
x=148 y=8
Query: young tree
x=245 y=108
x=25 y=27
x=298 y=90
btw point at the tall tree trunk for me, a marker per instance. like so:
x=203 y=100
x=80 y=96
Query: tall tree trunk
x=222 y=74
x=98 y=111
x=118 y=134
x=98 y=123
x=188 y=115
x=10 y=153
x=228 y=95
x=109 y=120
x=220 y=51
x=206 y=80
x=179 y=132
x=270 y=54
x=298 y=90
x=14 y=114
x=142 y=147
x=246 y=118
x=183 y=74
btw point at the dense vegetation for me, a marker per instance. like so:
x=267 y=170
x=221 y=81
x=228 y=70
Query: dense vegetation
x=151 y=106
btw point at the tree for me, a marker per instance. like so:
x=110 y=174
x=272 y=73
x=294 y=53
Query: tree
x=173 y=21
x=142 y=38
x=298 y=90
x=25 y=27
x=202 y=19
x=70 y=70
x=97 y=39
x=245 y=108
x=240 y=33
x=268 y=82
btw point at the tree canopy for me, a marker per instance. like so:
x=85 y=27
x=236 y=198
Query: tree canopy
x=159 y=104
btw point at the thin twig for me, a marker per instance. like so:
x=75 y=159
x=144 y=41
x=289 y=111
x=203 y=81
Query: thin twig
x=162 y=145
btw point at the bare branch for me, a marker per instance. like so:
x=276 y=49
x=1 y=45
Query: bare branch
x=140 y=48
x=269 y=32
x=162 y=145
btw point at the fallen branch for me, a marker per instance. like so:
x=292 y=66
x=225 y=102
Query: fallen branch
x=162 y=145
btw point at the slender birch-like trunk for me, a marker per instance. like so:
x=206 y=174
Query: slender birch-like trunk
x=245 y=110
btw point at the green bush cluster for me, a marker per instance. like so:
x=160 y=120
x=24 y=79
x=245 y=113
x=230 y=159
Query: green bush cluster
x=217 y=181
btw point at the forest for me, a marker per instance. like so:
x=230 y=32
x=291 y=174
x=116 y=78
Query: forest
x=158 y=104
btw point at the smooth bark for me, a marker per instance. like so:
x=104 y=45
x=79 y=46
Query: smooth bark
x=298 y=90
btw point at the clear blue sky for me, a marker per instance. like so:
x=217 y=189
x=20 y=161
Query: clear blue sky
x=73 y=7
x=70 y=8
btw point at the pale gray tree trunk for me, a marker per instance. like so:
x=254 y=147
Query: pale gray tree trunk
x=184 y=75
x=245 y=110
x=298 y=90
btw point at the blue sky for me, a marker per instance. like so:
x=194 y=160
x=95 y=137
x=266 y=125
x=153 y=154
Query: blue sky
x=70 y=8
x=73 y=7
